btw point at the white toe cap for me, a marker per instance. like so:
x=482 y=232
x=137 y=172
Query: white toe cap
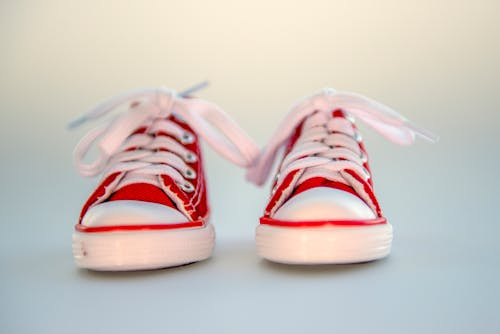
x=324 y=203
x=126 y=212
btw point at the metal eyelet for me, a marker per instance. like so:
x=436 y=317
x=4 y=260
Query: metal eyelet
x=358 y=138
x=190 y=157
x=187 y=187
x=350 y=118
x=179 y=118
x=275 y=188
x=367 y=172
x=187 y=138
x=363 y=157
x=189 y=174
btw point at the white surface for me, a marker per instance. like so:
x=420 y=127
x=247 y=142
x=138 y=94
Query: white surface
x=435 y=61
x=124 y=212
x=324 y=245
x=136 y=250
x=324 y=203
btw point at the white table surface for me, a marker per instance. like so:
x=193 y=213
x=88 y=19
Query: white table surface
x=436 y=62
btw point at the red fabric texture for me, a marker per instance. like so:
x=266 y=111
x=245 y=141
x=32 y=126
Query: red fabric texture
x=196 y=202
x=142 y=192
x=319 y=181
x=98 y=193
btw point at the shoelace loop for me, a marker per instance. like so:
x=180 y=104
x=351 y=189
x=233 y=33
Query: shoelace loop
x=149 y=108
x=380 y=117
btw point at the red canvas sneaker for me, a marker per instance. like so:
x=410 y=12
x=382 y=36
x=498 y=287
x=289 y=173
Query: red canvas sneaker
x=323 y=208
x=150 y=209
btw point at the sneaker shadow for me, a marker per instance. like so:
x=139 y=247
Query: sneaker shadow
x=142 y=274
x=236 y=256
x=239 y=256
x=320 y=269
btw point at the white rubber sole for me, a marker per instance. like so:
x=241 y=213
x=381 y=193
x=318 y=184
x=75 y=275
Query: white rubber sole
x=140 y=250
x=324 y=245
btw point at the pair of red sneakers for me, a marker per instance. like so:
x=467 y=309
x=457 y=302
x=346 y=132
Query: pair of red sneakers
x=150 y=209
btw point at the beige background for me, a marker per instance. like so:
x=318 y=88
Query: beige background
x=437 y=62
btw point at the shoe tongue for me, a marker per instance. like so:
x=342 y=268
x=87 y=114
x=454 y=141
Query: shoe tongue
x=325 y=116
x=142 y=192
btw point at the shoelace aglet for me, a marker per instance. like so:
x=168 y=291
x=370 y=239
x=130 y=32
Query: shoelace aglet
x=195 y=88
x=185 y=93
x=77 y=122
x=422 y=133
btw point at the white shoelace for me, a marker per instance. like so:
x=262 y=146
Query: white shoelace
x=323 y=148
x=150 y=109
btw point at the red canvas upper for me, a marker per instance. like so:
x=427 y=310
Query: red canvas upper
x=319 y=182
x=195 y=203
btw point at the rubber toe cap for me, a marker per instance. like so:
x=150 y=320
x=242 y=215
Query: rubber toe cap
x=324 y=203
x=126 y=212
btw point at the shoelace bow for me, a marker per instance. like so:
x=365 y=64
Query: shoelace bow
x=138 y=154
x=380 y=117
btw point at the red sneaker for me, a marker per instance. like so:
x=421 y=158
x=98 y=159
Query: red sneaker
x=150 y=209
x=323 y=208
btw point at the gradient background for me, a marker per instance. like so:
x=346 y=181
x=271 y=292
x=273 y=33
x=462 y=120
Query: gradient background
x=437 y=62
